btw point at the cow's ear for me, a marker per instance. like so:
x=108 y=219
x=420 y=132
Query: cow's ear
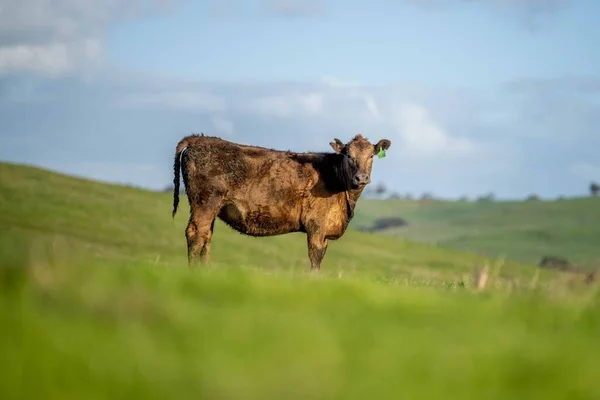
x=383 y=144
x=337 y=145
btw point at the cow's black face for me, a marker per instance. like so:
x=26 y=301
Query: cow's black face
x=358 y=158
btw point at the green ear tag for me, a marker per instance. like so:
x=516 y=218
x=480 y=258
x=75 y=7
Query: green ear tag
x=381 y=153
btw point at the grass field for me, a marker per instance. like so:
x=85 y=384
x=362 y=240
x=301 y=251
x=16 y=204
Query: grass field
x=522 y=231
x=97 y=302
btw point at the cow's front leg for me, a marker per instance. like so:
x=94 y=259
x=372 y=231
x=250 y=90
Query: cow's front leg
x=317 y=246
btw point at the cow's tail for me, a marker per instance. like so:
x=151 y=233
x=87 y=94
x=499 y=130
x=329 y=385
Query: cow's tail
x=181 y=146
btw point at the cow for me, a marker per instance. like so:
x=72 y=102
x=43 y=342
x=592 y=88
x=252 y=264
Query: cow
x=261 y=192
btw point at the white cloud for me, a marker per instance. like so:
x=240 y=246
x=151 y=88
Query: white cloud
x=313 y=103
x=424 y=154
x=371 y=105
x=179 y=100
x=337 y=83
x=55 y=37
x=320 y=110
x=286 y=105
x=51 y=59
x=444 y=146
x=423 y=137
x=277 y=106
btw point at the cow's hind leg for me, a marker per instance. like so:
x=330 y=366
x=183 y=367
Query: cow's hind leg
x=205 y=251
x=199 y=232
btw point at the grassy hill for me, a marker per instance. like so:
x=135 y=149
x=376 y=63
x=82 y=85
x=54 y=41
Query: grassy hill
x=96 y=301
x=522 y=231
x=127 y=224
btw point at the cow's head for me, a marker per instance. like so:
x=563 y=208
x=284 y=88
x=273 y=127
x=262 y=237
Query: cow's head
x=358 y=157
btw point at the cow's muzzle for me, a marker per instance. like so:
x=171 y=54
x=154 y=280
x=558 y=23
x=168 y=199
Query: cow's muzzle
x=361 y=179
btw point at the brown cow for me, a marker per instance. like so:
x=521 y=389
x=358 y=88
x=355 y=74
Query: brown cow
x=265 y=192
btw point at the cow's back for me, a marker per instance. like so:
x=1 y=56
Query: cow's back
x=213 y=161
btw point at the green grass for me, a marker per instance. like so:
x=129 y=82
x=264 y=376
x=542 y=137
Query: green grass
x=130 y=225
x=521 y=231
x=96 y=301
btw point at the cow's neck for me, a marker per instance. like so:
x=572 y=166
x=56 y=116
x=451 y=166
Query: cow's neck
x=343 y=179
x=351 y=198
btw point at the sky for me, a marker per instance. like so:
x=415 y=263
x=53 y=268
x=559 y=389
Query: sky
x=476 y=96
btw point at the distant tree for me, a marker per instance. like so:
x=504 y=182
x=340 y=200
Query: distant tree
x=408 y=196
x=380 y=189
x=594 y=189
x=463 y=198
x=425 y=199
x=533 y=197
x=426 y=196
x=486 y=197
x=377 y=190
x=394 y=196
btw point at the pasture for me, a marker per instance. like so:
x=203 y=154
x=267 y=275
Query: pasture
x=519 y=230
x=97 y=301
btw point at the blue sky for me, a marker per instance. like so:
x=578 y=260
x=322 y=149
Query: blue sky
x=476 y=96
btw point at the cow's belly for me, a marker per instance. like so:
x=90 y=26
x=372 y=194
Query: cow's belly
x=260 y=220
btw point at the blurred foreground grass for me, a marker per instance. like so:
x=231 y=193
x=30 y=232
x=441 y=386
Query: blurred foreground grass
x=75 y=329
